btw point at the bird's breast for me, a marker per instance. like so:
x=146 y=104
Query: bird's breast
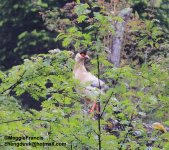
x=83 y=76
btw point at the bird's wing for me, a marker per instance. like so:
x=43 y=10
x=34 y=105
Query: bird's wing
x=95 y=82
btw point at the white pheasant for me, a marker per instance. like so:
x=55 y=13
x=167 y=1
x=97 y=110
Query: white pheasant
x=89 y=82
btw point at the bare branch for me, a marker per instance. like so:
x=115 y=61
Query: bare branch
x=98 y=103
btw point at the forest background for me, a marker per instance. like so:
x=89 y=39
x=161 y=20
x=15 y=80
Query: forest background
x=39 y=39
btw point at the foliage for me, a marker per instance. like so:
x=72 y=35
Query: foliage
x=151 y=36
x=90 y=35
x=144 y=39
x=136 y=97
x=142 y=97
x=148 y=41
x=162 y=15
x=22 y=31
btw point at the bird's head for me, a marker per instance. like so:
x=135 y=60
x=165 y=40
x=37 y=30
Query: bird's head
x=81 y=56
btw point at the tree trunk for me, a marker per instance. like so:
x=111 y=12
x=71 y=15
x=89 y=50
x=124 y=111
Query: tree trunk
x=117 y=40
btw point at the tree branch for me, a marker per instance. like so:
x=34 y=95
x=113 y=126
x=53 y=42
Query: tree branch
x=15 y=84
x=16 y=120
x=98 y=103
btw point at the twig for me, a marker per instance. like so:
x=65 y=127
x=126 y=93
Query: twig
x=98 y=103
x=16 y=120
x=15 y=84
x=20 y=79
x=12 y=121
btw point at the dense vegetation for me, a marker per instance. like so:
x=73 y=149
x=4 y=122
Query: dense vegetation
x=37 y=88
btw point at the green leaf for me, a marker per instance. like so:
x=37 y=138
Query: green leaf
x=81 y=18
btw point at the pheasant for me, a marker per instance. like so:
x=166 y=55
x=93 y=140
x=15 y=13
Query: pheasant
x=90 y=83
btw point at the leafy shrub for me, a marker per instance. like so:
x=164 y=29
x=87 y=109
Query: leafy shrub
x=141 y=95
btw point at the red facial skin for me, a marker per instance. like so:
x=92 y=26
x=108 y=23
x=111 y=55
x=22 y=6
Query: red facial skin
x=83 y=55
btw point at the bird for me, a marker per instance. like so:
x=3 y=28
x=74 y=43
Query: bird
x=91 y=85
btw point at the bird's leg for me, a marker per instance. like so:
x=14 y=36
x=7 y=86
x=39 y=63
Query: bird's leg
x=88 y=102
x=97 y=108
x=94 y=107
